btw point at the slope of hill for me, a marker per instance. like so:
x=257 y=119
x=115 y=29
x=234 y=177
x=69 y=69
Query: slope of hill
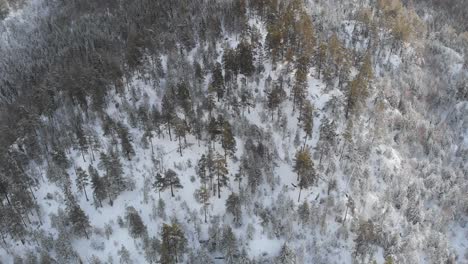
x=233 y=132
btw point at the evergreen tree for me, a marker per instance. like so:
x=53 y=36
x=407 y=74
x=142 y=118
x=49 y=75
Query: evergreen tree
x=233 y=206
x=181 y=129
x=245 y=58
x=168 y=111
x=170 y=180
x=78 y=219
x=275 y=98
x=217 y=81
x=82 y=140
x=228 y=141
x=114 y=175
x=173 y=243
x=203 y=196
x=157 y=120
x=135 y=224
x=231 y=64
x=359 y=87
x=321 y=57
x=308 y=120
x=201 y=169
x=286 y=256
x=124 y=255
x=152 y=248
x=304 y=167
x=98 y=185
x=82 y=180
x=229 y=245
x=300 y=86
x=304 y=212
x=60 y=158
x=221 y=171
x=125 y=140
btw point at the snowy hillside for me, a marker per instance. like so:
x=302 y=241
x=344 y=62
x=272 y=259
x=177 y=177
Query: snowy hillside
x=233 y=132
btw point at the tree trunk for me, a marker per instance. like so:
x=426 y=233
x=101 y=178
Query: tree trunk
x=172 y=191
x=219 y=188
x=8 y=200
x=205 y=214
x=86 y=195
x=180 y=147
x=299 y=198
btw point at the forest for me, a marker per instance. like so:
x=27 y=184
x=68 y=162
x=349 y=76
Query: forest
x=233 y=131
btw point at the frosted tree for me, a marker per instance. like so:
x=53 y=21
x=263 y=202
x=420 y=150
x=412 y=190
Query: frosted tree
x=82 y=181
x=79 y=220
x=135 y=224
x=114 y=175
x=307 y=120
x=304 y=167
x=275 y=98
x=229 y=245
x=124 y=255
x=221 y=172
x=173 y=243
x=228 y=141
x=286 y=256
x=125 y=140
x=98 y=185
x=169 y=180
x=152 y=248
x=233 y=206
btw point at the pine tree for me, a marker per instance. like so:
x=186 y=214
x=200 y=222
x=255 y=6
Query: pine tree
x=170 y=180
x=299 y=89
x=203 y=196
x=245 y=58
x=152 y=248
x=114 y=175
x=229 y=245
x=98 y=185
x=78 y=219
x=228 y=141
x=173 y=243
x=82 y=140
x=286 y=256
x=321 y=57
x=304 y=212
x=201 y=169
x=221 y=171
x=231 y=64
x=217 y=81
x=125 y=140
x=135 y=224
x=168 y=111
x=275 y=98
x=308 y=120
x=60 y=158
x=327 y=137
x=304 y=167
x=156 y=120
x=233 y=206
x=359 y=87
x=124 y=255
x=82 y=180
